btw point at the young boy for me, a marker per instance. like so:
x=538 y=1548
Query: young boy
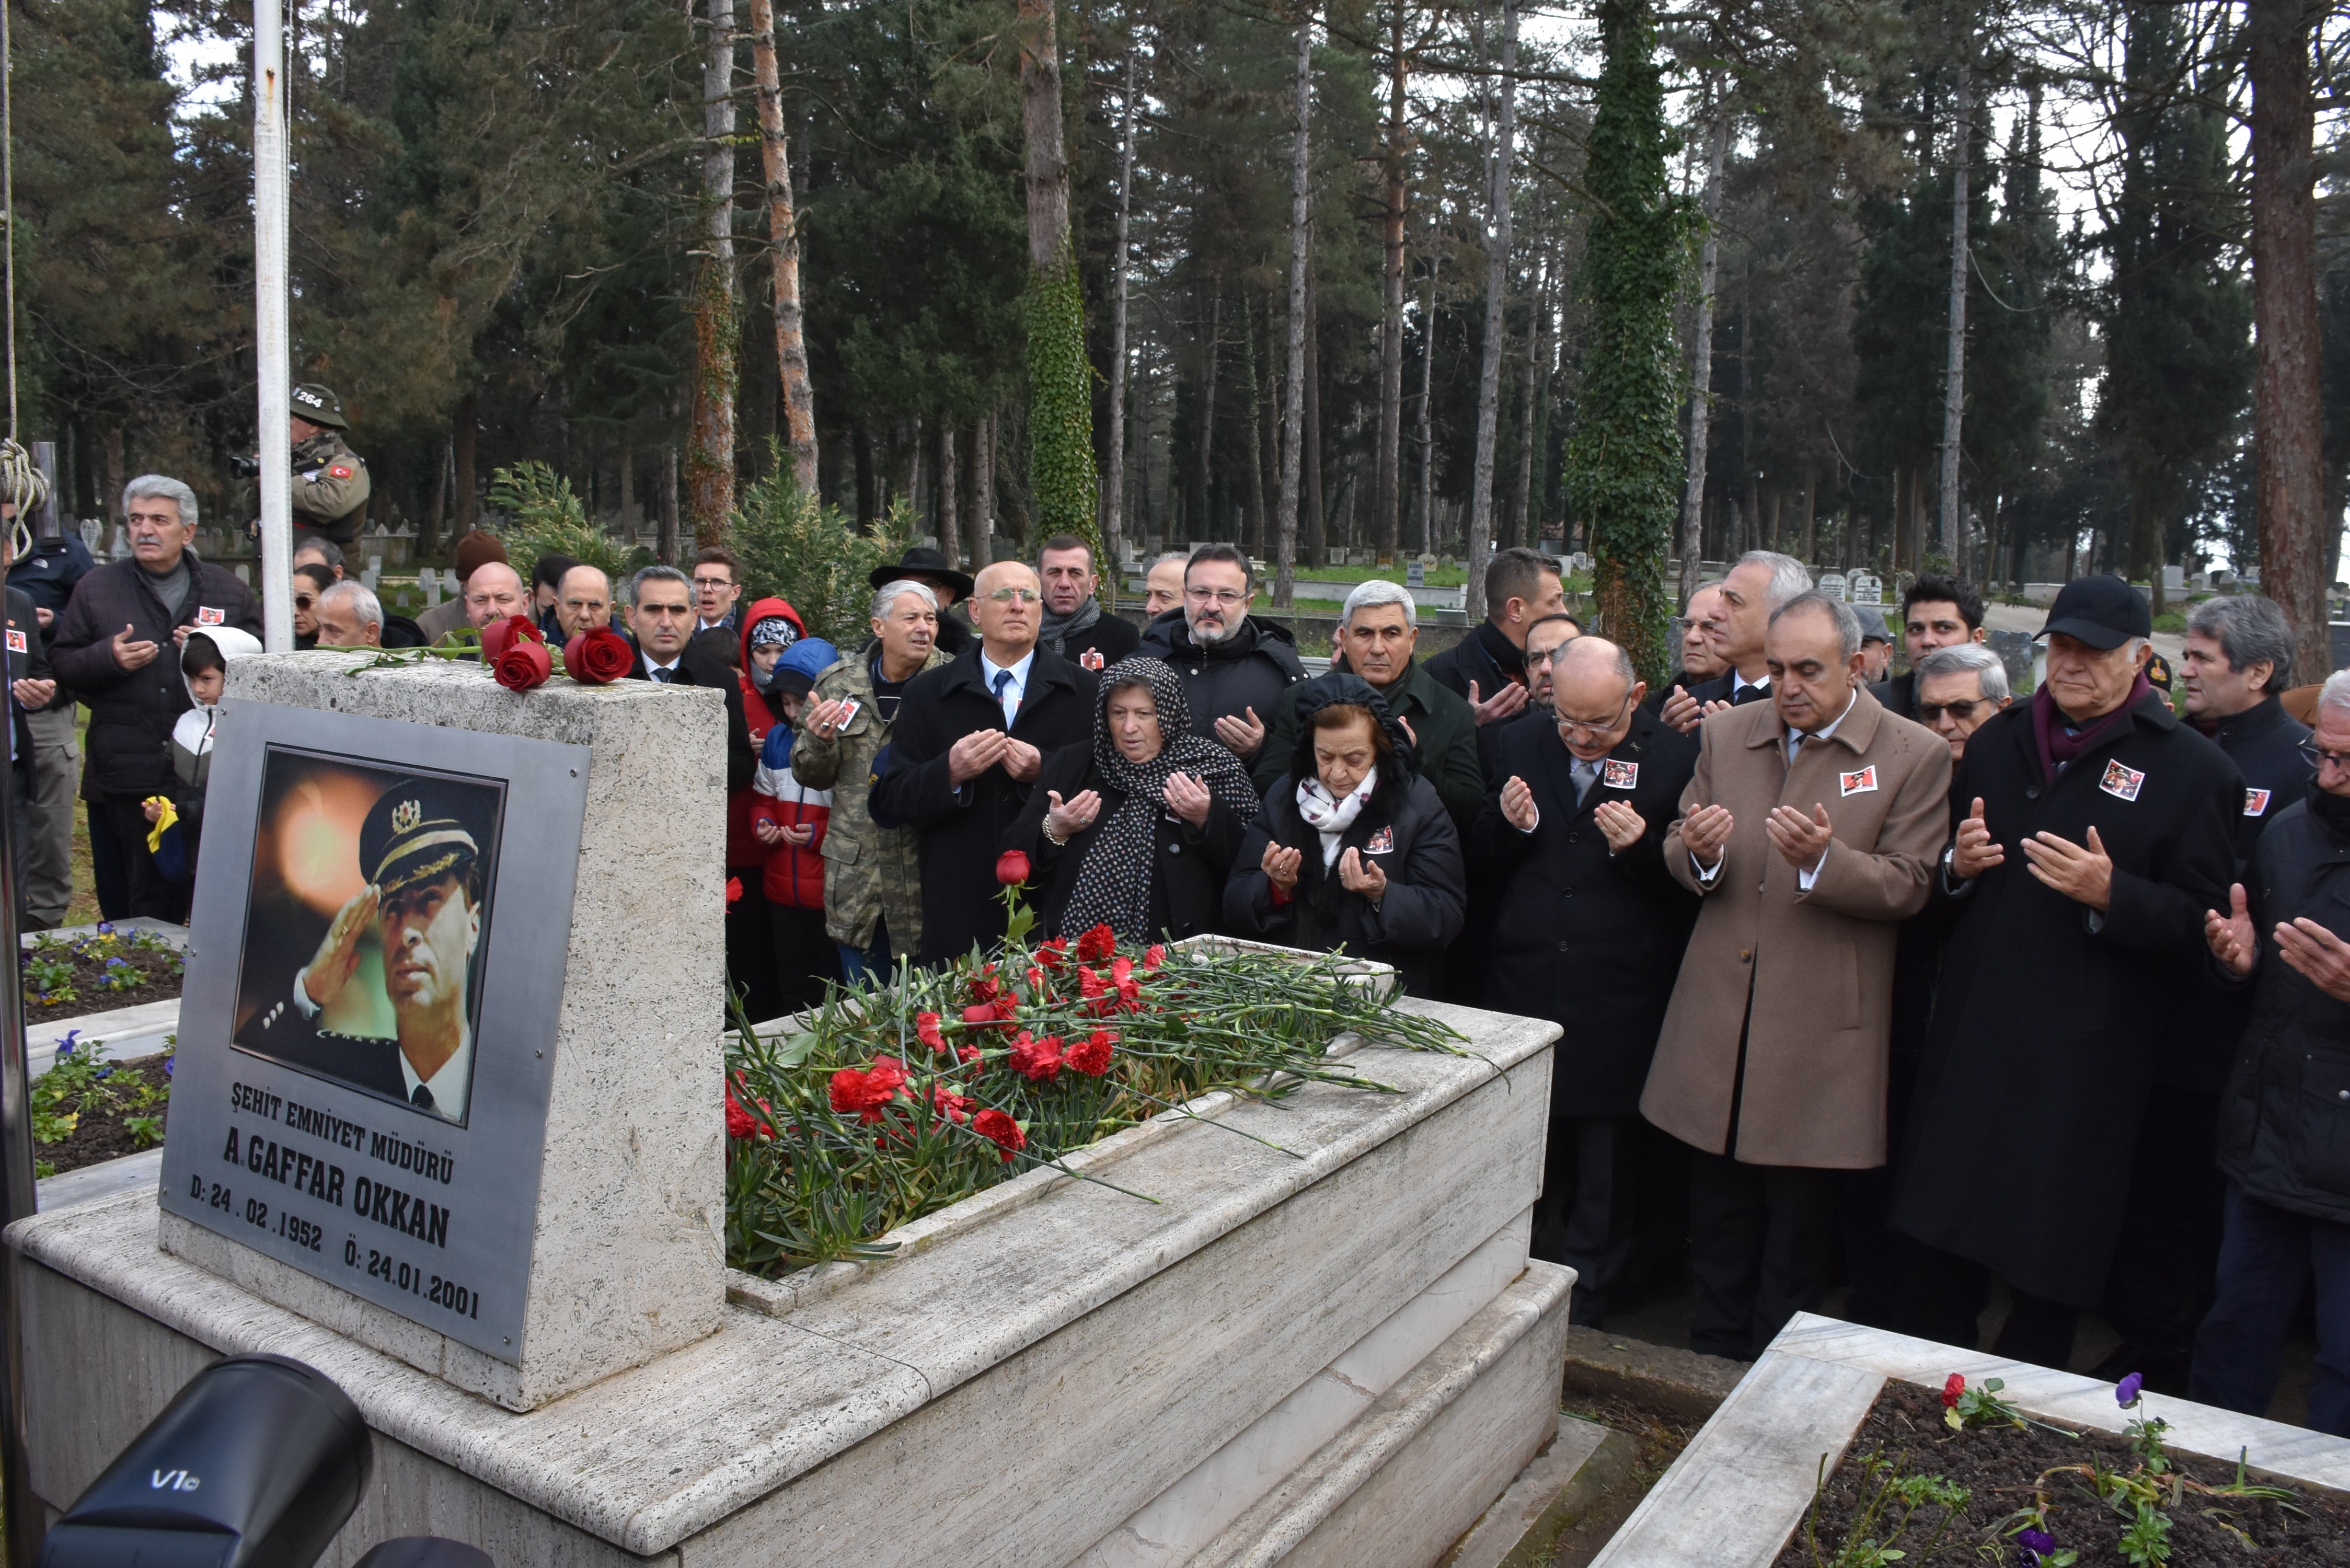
x=789 y=820
x=179 y=817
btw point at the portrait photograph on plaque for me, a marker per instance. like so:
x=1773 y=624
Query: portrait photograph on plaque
x=375 y=977
x=364 y=923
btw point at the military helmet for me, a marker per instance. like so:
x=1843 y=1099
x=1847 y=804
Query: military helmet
x=318 y=405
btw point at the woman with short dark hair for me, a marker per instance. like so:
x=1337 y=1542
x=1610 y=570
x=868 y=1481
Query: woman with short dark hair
x=1352 y=848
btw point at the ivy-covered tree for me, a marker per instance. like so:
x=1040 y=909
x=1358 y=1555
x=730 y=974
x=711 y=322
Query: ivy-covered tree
x=1624 y=458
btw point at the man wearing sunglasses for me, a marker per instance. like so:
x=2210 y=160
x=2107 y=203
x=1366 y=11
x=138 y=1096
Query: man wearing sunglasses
x=1956 y=689
x=969 y=742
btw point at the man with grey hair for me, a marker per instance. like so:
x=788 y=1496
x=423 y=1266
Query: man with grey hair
x=349 y=615
x=1378 y=628
x=2094 y=829
x=1162 y=585
x=872 y=875
x=1810 y=830
x=109 y=649
x=1957 y=688
x=2239 y=657
x=2288 y=1188
x=1587 y=932
x=1762 y=583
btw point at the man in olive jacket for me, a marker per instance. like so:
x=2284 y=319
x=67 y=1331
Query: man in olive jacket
x=116 y=646
x=2284 y=1119
x=2093 y=831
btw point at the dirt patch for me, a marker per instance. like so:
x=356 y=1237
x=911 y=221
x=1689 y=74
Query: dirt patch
x=1658 y=1435
x=85 y=1112
x=2069 y=1485
x=97 y=973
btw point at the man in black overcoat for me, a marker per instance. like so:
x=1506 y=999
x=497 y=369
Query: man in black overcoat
x=1590 y=934
x=2093 y=831
x=970 y=739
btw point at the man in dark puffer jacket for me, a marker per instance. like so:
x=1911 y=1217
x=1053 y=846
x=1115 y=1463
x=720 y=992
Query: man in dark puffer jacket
x=118 y=646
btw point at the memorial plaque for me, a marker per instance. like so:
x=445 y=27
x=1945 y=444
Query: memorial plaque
x=1867 y=589
x=366 y=1034
x=1832 y=585
x=1414 y=575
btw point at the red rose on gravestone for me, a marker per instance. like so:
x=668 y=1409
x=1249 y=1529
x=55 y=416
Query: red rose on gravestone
x=501 y=635
x=999 y=1130
x=523 y=665
x=598 y=656
x=1012 y=868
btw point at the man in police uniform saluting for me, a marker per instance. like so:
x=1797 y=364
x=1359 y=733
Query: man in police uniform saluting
x=331 y=480
x=421 y=846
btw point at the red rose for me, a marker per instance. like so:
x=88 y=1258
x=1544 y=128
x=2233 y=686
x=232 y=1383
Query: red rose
x=1039 y=1060
x=501 y=635
x=979 y=1015
x=597 y=656
x=1097 y=944
x=523 y=666
x=1012 y=868
x=1953 y=1390
x=734 y=891
x=926 y=1029
x=1091 y=1054
x=999 y=1130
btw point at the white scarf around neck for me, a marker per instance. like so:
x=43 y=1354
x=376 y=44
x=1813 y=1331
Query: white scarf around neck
x=1331 y=817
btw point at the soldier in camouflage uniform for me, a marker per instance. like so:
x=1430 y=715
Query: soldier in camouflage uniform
x=331 y=480
x=872 y=875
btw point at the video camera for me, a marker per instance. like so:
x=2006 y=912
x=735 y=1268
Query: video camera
x=245 y=467
x=256 y=1464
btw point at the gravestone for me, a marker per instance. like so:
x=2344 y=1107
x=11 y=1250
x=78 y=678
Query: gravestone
x=1833 y=584
x=91 y=531
x=1414 y=575
x=2014 y=650
x=1867 y=589
x=1554 y=548
x=2174 y=579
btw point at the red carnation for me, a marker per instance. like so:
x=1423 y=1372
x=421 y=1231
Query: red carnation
x=1089 y=984
x=1091 y=1054
x=967 y=1053
x=866 y=1092
x=1154 y=955
x=953 y=1106
x=1097 y=944
x=1053 y=954
x=926 y=1029
x=999 y=1130
x=1039 y=1060
x=504 y=633
x=1035 y=979
x=741 y=1123
x=598 y=656
x=1121 y=970
x=1953 y=1390
x=734 y=891
x=984 y=986
x=1012 y=868
x=522 y=665
x=1007 y=1008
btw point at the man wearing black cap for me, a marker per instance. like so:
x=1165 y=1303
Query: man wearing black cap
x=420 y=847
x=2094 y=829
x=927 y=566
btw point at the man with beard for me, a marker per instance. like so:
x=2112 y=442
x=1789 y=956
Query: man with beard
x=1232 y=664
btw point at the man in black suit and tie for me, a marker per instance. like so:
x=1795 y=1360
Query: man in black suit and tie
x=420 y=848
x=661 y=623
x=1751 y=594
x=969 y=742
x=1590 y=935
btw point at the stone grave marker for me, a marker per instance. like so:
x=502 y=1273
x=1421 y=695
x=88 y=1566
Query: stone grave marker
x=2014 y=650
x=1414 y=575
x=1867 y=589
x=1833 y=584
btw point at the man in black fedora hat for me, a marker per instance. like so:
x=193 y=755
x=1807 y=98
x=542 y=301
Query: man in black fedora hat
x=421 y=848
x=2094 y=829
x=925 y=566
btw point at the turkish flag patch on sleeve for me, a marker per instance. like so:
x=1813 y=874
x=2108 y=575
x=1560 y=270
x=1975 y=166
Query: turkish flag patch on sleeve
x=341 y=471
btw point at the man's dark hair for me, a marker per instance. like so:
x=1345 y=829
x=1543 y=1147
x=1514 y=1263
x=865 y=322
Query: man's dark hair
x=1555 y=615
x=1936 y=589
x=1064 y=542
x=1225 y=553
x=320 y=578
x=2249 y=628
x=199 y=654
x=718 y=555
x=327 y=550
x=1515 y=573
x=658 y=574
x=547 y=572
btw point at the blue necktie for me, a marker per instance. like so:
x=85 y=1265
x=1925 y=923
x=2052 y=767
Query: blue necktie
x=1002 y=684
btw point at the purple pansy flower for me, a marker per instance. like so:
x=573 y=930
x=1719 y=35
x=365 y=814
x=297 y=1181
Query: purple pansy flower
x=2037 y=1540
x=2126 y=1391
x=106 y=928
x=167 y=1062
x=66 y=1045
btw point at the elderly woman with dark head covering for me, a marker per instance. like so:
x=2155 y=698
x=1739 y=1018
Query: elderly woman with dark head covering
x=1136 y=828
x=1353 y=847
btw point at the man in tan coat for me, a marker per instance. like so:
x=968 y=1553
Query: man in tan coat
x=1810 y=830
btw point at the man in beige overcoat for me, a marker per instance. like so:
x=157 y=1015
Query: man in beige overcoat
x=1771 y=1065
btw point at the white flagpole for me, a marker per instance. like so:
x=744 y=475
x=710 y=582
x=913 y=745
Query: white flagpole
x=272 y=340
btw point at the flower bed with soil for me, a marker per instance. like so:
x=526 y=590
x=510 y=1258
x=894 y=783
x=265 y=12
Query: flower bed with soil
x=101 y=972
x=87 y=1111
x=1962 y=1477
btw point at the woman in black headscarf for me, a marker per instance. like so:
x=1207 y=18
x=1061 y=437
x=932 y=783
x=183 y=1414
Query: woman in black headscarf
x=1353 y=847
x=1137 y=827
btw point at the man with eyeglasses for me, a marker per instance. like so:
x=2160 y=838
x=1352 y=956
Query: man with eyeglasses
x=2094 y=828
x=717 y=588
x=1590 y=933
x=1233 y=666
x=1936 y=612
x=2286 y=1107
x=969 y=740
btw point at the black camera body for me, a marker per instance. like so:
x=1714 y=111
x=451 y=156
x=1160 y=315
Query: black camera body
x=245 y=467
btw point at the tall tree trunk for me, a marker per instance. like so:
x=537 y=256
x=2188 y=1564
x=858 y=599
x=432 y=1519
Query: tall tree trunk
x=1497 y=284
x=1387 y=499
x=1521 y=488
x=2286 y=409
x=1301 y=240
x=983 y=493
x=1700 y=412
x=783 y=248
x=461 y=431
x=1266 y=399
x=1204 y=481
x=710 y=465
x=1317 y=515
x=436 y=517
x=1426 y=438
x=1954 y=362
x=1061 y=475
x=665 y=523
x=1257 y=524
x=948 y=481
x=1111 y=571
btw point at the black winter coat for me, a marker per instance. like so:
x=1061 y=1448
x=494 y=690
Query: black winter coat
x=1472 y=661
x=1898 y=695
x=1588 y=939
x=1413 y=922
x=31 y=664
x=2284 y=1118
x=131 y=712
x=1187 y=886
x=2047 y=1025
x=962 y=831
x=1443 y=726
x=1251 y=668
x=1110 y=636
x=697 y=667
